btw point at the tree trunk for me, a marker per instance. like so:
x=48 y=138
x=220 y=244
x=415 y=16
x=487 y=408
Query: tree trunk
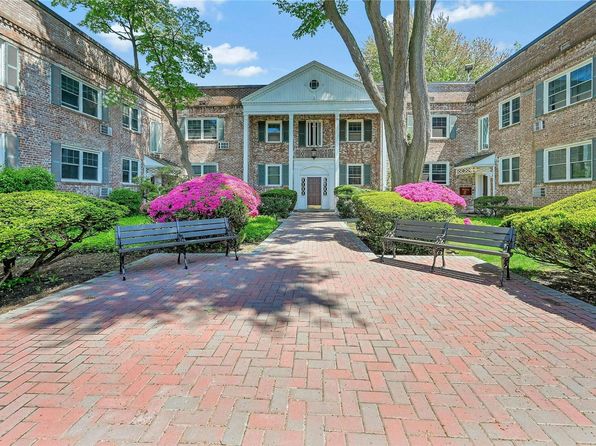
x=184 y=157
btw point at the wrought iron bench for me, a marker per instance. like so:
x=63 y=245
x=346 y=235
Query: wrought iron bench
x=178 y=234
x=441 y=236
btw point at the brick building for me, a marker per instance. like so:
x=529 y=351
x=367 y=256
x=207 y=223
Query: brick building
x=525 y=129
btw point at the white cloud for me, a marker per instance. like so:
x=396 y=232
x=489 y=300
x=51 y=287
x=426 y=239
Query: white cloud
x=249 y=71
x=226 y=54
x=205 y=7
x=466 y=10
x=113 y=42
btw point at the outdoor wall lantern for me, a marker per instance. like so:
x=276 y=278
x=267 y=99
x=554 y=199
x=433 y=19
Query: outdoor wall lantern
x=313 y=153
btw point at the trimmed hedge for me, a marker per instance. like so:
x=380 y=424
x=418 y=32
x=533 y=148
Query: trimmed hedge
x=128 y=198
x=25 y=179
x=501 y=211
x=292 y=195
x=378 y=211
x=562 y=233
x=275 y=206
x=345 y=205
x=485 y=205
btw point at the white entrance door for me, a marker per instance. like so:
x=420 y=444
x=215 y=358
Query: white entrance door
x=483 y=185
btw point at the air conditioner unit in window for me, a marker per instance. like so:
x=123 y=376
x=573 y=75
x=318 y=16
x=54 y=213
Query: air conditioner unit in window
x=538 y=192
x=223 y=145
x=538 y=125
x=104 y=192
x=105 y=129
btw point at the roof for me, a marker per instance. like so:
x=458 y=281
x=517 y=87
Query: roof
x=164 y=162
x=475 y=160
x=225 y=95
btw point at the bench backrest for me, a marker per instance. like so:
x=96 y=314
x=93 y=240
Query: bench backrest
x=154 y=233
x=213 y=227
x=491 y=236
x=429 y=231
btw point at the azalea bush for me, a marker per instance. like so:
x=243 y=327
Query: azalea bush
x=208 y=196
x=426 y=192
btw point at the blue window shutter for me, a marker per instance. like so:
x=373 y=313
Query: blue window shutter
x=262 y=128
x=105 y=167
x=342 y=130
x=221 y=125
x=285 y=130
x=368 y=130
x=56 y=160
x=301 y=133
x=452 y=126
x=593 y=82
x=539 y=97
x=539 y=166
x=594 y=158
x=366 y=175
x=285 y=174
x=261 y=174
x=342 y=174
x=105 y=110
x=11 y=147
x=55 y=85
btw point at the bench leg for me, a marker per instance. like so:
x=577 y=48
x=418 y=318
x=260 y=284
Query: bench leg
x=227 y=247
x=383 y=250
x=179 y=253
x=236 y=249
x=508 y=273
x=122 y=269
x=435 y=255
x=503 y=268
x=394 y=249
x=443 y=257
x=185 y=262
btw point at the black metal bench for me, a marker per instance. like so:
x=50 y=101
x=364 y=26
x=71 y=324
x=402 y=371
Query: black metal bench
x=178 y=234
x=441 y=236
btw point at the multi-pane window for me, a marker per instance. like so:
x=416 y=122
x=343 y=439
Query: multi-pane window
x=202 y=169
x=130 y=170
x=130 y=118
x=436 y=173
x=79 y=96
x=483 y=133
x=439 y=127
x=155 y=136
x=509 y=112
x=273 y=133
x=201 y=129
x=509 y=170
x=569 y=163
x=314 y=133
x=355 y=174
x=273 y=174
x=80 y=165
x=569 y=88
x=356 y=130
x=9 y=66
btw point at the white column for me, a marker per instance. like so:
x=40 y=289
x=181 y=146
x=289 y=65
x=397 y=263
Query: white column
x=336 y=149
x=245 y=147
x=384 y=157
x=291 y=151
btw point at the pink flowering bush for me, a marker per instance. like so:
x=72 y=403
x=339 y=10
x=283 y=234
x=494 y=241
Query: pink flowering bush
x=429 y=192
x=210 y=195
x=467 y=221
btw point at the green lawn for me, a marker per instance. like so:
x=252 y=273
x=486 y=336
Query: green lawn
x=259 y=228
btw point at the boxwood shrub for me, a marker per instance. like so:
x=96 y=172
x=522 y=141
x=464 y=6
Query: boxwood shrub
x=562 y=233
x=345 y=205
x=25 y=179
x=377 y=212
x=128 y=198
x=291 y=195
x=485 y=205
x=275 y=206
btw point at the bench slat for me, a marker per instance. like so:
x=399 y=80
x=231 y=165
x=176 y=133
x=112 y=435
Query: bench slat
x=437 y=224
x=416 y=235
x=148 y=232
x=194 y=241
x=131 y=228
x=150 y=247
x=202 y=228
x=210 y=221
x=478 y=235
x=478 y=228
x=474 y=241
x=429 y=244
x=148 y=239
x=211 y=232
x=478 y=250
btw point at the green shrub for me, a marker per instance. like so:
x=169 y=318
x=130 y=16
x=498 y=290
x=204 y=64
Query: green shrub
x=486 y=205
x=25 y=179
x=378 y=211
x=276 y=206
x=235 y=210
x=347 y=190
x=344 y=194
x=501 y=211
x=259 y=228
x=45 y=224
x=128 y=198
x=563 y=233
x=292 y=195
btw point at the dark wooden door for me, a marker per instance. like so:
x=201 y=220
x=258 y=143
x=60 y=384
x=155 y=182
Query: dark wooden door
x=314 y=191
x=484 y=185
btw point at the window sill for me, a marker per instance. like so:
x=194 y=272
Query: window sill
x=79 y=112
x=136 y=132
x=550 y=112
x=200 y=140
x=510 y=126
x=80 y=181
x=575 y=180
x=510 y=184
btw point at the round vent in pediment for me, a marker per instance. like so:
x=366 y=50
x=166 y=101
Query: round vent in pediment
x=314 y=84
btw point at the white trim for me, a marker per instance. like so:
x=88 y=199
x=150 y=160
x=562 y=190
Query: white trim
x=129 y=117
x=510 y=101
x=80 y=101
x=267 y=174
x=203 y=167
x=245 y=146
x=319 y=136
x=446 y=116
x=500 y=164
x=80 y=170
x=290 y=150
x=336 y=153
x=130 y=160
x=361 y=121
x=202 y=138
x=361 y=174
x=567 y=74
x=4 y=65
x=567 y=148
x=479 y=139
x=281 y=131
x=430 y=173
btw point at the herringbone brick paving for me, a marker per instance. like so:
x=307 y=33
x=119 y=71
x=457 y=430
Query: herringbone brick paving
x=310 y=341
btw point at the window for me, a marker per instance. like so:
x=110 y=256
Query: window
x=130 y=118
x=436 y=173
x=570 y=87
x=509 y=112
x=273 y=133
x=201 y=129
x=9 y=66
x=314 y=133
x=202 y=169
x=80 y=165
x=273 y=174
x=483 y=133
x=509 y=170
x=569 y=163
x=130 y=170
x=314 y=84
x=155 y=137
x=439 y=127
x=355 y=174
x=355 y=130
x=79 y=96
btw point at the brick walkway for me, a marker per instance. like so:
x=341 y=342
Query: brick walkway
x=308 y=341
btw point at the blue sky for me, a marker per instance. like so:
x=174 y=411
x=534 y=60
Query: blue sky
x=252 y=43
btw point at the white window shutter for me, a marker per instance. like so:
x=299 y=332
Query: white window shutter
x=11 y=66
